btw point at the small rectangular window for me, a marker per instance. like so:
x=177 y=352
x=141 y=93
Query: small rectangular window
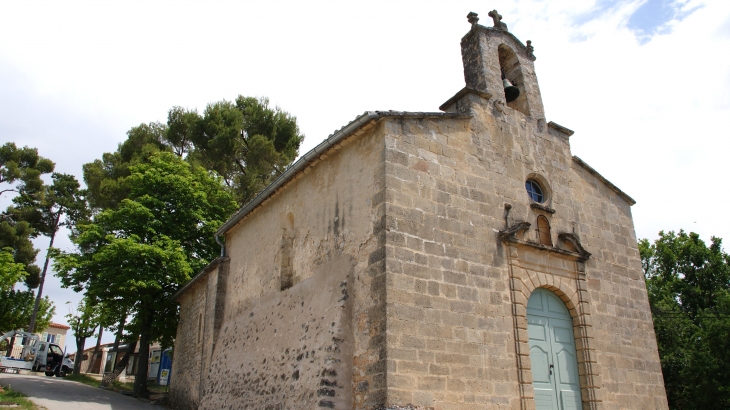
x=200 y=326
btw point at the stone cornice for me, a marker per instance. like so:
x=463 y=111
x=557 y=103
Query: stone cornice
x=464 y=91
x=492 y=31
x=608 y=183
x=510 y=235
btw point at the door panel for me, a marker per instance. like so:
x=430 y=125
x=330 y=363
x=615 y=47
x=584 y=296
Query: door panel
x=535 y=303
x=570 y=400
x=555 y=305
x=537 y=329
x=540 y=365
x=564 y=367
x=563 y=335
x=550 y=330
x=544 y=400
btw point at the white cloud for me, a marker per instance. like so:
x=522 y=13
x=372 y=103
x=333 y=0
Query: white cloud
x=650 y=117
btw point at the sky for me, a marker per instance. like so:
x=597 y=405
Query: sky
x=645 y=84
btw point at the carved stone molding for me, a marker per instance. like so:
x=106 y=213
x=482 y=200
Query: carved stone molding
x=562 y=271
x=574 y=251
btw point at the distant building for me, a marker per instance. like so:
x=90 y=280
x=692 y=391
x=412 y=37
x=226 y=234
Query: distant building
x=107 y=358
x=54 y=333
x=462 y=259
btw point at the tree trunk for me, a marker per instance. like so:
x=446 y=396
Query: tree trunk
x=10 y=346
x=110 y=377
x=95 y=355
x=140 y=378
x=80 y=343
x=31 y=327
x=120 y=332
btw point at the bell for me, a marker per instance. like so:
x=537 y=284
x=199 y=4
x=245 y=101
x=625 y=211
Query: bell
x=510 y=91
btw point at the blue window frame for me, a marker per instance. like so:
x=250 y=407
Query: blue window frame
x=534 y=191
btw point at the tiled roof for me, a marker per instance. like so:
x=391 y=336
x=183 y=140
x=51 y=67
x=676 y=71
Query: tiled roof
x=59 y=326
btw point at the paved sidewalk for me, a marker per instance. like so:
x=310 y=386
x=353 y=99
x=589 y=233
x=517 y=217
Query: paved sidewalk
x=55 y=393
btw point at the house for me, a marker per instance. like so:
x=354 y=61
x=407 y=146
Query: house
x=107 y=358
x=461 y=259
x=54 y=333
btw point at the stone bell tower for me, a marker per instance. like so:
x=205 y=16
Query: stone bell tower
x=492 y=54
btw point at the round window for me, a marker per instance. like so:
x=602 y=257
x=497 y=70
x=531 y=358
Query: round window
x=534 y=190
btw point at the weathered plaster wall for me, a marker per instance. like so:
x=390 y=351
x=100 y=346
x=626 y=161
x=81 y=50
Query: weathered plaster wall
x=187 y=364
x=452 y=326
x=322 y=230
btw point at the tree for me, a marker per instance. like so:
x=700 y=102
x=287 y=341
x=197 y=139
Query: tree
x=248 y=143
x=10 y=271
x=16 y=308
x=181 y=127
x=24 y=165
x=688 y=284
x=105 y=177
x=56 y=205
x=136 y=256
x=83 y=321
x=16 y=236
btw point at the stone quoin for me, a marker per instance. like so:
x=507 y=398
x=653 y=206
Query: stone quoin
x=461 y=259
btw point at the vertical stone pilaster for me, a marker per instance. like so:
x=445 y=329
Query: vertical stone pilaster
x=574 y=294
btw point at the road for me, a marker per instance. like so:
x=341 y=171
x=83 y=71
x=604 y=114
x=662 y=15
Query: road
x=57 y=394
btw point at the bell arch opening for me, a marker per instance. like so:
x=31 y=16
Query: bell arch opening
x=511 y=72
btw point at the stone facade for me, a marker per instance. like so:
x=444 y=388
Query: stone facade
x=391 y=266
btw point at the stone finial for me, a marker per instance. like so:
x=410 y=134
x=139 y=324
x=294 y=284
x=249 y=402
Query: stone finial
x=473 y=18
x=497 y=20
x=530 y=50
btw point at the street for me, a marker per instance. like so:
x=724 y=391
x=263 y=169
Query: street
x=58 y=394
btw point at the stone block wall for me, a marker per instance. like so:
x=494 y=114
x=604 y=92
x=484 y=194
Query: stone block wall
x=187 y=366
x=303 y=302
x=385 y=274
x=291 y=350
x=454 y=329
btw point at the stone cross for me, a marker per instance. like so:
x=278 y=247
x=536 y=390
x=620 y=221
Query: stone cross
x=497 y=20
x=473 y=18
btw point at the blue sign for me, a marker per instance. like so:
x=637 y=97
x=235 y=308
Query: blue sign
x=163 y=373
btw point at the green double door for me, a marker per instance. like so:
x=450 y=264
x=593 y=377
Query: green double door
x=552 y=353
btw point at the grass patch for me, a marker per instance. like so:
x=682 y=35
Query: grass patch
x=82 y=378
x=152 y=386
x=10 y=396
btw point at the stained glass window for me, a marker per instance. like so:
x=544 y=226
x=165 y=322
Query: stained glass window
x=534 y=190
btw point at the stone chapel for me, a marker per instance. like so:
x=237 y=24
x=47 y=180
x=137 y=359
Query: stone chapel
x=461 y=259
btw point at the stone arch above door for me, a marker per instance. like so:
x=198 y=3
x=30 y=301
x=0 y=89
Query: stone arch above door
x=534 y=266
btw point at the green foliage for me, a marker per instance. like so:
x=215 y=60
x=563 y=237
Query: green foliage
x=8 y=396
x=56 y=205
x=82 y=378
x=16 y=308
x=181 y=126
x=159 y=199
x=10 y=271
x=83 y=322
x=23 y=165
x=17 y=236
x=105 y=177
x=689 y=291
x=21 y=170
x=248 y=143
x=137 y=255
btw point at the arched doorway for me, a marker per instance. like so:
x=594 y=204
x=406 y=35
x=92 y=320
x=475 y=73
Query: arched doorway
x=552 y=353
